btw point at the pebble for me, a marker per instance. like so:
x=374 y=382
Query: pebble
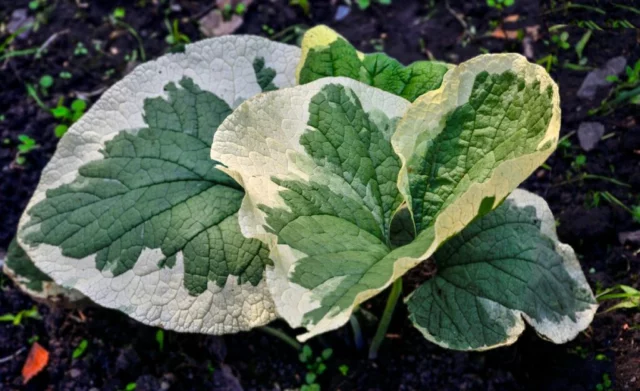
x=589 y=134
x=598 y=78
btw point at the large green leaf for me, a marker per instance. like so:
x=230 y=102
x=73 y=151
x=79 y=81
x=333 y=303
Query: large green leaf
x=320 y=175
x=327 y=54
x=504 y=267
x=323 y=184
x=131 y=210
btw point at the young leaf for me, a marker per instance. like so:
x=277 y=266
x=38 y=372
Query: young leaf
x=133 y=213
x=501 y=270
x=323 y=181
x=327 y=54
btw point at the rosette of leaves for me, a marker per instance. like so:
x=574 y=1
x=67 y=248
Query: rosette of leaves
x=328 y=165
x=132 y=212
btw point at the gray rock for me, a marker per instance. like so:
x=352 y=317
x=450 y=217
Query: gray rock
x=598 y=78
x=589 y=134
x=74 y=373
x=632 y=237
x=20 y=19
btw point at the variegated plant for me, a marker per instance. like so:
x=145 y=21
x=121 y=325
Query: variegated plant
x=297 y=213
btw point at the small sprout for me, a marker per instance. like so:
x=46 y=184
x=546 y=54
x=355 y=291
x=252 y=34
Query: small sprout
x=310 y=378
x=175 y=37
x=46 y=82
x=24 y=314
x=561 y=40
x=34 y=5
x=27 y=144
x=629 y=297
x=65 y=75
x=60 y=130
x=119 y=13
x=160 y=339
x=241 y=8
x=68 y=115
x=344 y=369
x=306 y=354
x=267 y=29
x=80 y=349
x=580 y=161
x=34 y=338
x=131 y=387
x=327 y=353
x=606 y=383
x=500 y=4
x=80 y=50
x=601 y=357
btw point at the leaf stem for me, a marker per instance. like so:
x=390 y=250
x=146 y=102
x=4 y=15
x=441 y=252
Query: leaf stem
x=281 y=335
x=357 y=332
x=396 y=290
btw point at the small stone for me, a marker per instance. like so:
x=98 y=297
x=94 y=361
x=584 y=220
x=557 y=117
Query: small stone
x=598 y=78
x=19 y=20
x=224 y=379
x=589 y=134
x=342 y=12
x=74 y=373
x=632 y=237
x=214 y=25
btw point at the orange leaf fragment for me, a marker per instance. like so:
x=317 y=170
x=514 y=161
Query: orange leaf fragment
x=36 y=361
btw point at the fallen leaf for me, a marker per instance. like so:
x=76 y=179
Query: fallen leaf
x=501 y=33
x=512 y=18
x=36 y=361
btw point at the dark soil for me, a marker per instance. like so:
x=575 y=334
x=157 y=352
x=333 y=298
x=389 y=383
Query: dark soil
x=121 y=351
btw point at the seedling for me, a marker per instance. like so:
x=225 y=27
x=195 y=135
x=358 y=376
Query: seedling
x=46 y=82
x=80 y=349
x=606 y=384
x=160 y=339
x=80 y=50
x=65 y=75
x=315 y=179
x=118 y=13
x=500 y=4
x=344 y=369
x=130 y=387
x=316 y=366
x=628 y=297
x=175 y=38
x=561 y=40
x=26 y=145
x=228 y=10
x=67 y=115
x=35 y=5
x=364 y=4
x=16 y=319
x=579 y=162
